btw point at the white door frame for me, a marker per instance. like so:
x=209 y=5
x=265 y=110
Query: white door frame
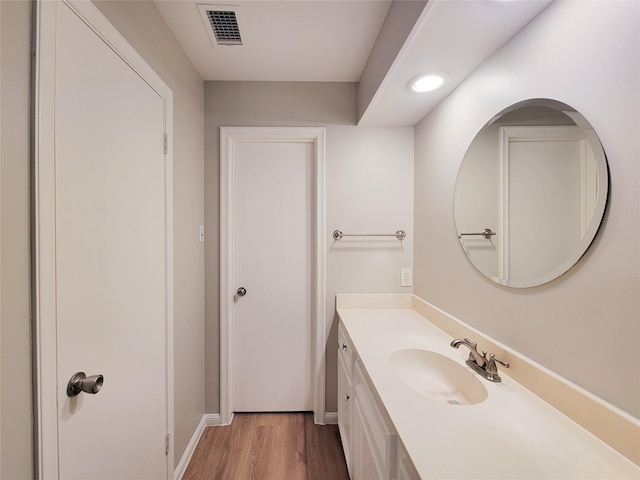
x=229 y=136
x=43 y=214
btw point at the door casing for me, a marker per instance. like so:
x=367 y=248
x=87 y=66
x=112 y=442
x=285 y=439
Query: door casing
x=43 y=221
x=229 y=136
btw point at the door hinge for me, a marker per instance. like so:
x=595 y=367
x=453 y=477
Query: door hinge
x=167 y=443
x=165 y=143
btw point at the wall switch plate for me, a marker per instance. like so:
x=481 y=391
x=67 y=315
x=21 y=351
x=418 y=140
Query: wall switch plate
x=201 y=233
x=406 y=277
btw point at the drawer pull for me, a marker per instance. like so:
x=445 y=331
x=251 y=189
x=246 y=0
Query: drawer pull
x=344 y=346
x=346 y=398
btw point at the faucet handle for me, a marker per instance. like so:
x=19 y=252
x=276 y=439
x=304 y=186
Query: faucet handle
x=491 y=368
x=501 y=362
x=491 y=364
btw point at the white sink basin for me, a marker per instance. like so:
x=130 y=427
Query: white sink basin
x=438 y=377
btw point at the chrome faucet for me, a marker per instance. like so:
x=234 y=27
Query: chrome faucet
x=474 y=356
x=483 y=366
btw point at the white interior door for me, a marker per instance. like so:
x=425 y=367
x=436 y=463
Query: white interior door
x=272 y=250
x=543 y=202
x=110 y=289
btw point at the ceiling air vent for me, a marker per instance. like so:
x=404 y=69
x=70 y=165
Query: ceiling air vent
x=222 y=24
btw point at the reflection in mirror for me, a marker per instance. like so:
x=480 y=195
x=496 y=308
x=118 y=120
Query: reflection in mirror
x=531 y=193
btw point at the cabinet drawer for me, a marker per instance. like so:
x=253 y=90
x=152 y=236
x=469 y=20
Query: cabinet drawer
x=346 y=352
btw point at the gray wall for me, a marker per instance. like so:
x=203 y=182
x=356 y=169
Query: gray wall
x=142 y=25
x=15 y=348
x=369 y=187
x=584 y=325
x=400 y=20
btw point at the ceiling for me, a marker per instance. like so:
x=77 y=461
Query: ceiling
x=295 y=40
x=332 y=40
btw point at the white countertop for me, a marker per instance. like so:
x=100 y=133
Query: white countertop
x=512 y=435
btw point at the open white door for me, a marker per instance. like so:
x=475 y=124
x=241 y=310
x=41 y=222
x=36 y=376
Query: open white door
x=103 y=265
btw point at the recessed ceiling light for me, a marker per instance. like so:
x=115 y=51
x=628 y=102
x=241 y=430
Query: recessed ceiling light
x=428 y=82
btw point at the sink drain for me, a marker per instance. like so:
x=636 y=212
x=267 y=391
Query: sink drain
x=453 y=402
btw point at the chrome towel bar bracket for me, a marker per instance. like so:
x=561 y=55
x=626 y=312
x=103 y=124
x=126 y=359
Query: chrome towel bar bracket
x=400 y=235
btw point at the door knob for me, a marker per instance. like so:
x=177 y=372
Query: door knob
x=241 y=292
x=79 y=382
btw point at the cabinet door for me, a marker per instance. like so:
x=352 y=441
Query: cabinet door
x=365 y=461
x=345 y=401
x=381 y=435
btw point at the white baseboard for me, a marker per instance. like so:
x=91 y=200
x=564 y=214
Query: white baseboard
x=331 y=418
x=208 y=420
x=213 y=420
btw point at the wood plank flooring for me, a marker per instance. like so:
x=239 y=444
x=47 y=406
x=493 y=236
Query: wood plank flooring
x=269 y=446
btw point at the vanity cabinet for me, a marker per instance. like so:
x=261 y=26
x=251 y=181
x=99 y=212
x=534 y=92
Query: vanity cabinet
x=371 y=445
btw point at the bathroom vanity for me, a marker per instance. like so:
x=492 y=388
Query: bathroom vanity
x=395 y=424
x=371 y=444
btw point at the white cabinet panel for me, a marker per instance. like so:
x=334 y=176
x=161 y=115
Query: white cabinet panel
x=345 y=396
x=345 y=402
x=366 y=463
x=383 y=438
x=405 y=470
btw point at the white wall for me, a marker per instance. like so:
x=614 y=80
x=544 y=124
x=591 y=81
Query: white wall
x=369 y=188
x=15 y=384
x=586 y=324
x=142 y=25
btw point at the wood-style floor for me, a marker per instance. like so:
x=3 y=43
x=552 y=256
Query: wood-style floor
x=269 y=446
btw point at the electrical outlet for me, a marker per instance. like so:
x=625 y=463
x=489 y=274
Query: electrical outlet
x=406 y=277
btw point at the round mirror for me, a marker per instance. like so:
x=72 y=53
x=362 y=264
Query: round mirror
x=531 y=193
